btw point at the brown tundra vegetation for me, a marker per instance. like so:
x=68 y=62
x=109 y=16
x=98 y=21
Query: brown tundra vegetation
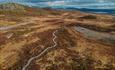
x=84 y=41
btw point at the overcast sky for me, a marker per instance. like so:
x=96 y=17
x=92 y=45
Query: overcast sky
x=100 y=4
x=58 y=0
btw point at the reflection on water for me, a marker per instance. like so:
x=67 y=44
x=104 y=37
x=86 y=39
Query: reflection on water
x=105 y=37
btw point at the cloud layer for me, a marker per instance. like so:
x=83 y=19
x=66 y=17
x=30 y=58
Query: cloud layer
x=64 y=4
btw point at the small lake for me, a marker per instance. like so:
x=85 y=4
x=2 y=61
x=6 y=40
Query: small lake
x=92 y=34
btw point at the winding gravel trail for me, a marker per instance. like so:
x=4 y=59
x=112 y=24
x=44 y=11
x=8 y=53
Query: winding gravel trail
x=31 y=59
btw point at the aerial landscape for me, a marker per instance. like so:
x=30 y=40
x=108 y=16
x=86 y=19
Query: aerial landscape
x=57 y=34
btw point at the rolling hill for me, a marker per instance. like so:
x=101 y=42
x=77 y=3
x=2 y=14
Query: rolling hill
x=48 y=39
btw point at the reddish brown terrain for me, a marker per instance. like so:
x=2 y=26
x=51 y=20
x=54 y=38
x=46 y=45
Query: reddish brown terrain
x=47 y=39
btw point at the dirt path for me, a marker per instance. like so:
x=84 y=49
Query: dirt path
x=31 y=59
x=29 y=21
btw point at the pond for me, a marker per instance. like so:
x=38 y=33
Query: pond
x=92 y=34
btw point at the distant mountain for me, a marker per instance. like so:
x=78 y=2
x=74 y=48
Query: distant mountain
x=103 y=11
x=11 y=7
x=94 y=6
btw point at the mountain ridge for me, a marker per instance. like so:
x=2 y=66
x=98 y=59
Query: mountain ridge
x=12 y=7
